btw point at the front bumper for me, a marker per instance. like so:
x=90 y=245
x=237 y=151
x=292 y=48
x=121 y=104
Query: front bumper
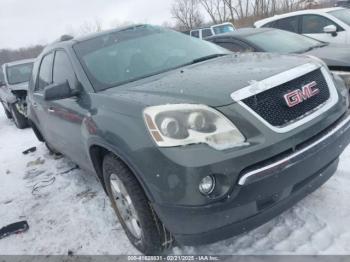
x=266 y=190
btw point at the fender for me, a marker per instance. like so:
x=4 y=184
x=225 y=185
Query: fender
x=98 y=141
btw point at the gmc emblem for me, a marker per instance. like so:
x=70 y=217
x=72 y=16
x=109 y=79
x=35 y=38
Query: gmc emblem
x=300 y=95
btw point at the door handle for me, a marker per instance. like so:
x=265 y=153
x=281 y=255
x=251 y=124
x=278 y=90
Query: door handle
x=51 y=110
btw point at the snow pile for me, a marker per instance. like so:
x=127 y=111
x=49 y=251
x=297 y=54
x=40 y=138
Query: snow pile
x=70 y=212
x=73 y=213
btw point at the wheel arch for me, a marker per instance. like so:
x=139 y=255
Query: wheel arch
x=97 y=152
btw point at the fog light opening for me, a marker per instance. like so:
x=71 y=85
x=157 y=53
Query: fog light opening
x=207 y=185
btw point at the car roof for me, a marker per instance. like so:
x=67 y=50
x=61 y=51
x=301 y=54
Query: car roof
x=302 y=12
x=240 y=33
x=66 y=40
x=19 y=62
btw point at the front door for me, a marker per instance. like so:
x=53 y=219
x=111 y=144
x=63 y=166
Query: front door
x=65 y=116
x=313 y=26
x=39 y=107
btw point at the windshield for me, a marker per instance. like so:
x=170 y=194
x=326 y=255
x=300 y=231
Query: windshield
x=135 y=53
x=19 y=73
x=221 y=29
x=283 y=42
x=343 y=15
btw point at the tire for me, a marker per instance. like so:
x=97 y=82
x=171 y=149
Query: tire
x=7 y=113
x=20 y=120
x=153 y=238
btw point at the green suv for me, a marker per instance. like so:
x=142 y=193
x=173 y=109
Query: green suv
x=192 y=143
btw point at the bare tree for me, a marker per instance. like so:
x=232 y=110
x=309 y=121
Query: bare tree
x=85 y=28
x=307 y=4
x=217 y=10
x=289 y=6
x=242 y=12
x=90 y=27
x=186 y=13
x=118 y=23
x=229 y=4
x=242 y=8
x=167 y=24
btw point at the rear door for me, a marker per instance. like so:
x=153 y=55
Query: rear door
x=291 y=24
x=65 y=116
x=313 y=26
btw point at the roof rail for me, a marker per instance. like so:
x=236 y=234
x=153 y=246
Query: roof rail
x=65 y=38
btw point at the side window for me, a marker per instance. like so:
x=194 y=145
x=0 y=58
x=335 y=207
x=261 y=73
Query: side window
x=314 y=24
x=290 y=24
x=45 y=72
x=206 y=33
x=195 y=33
x=269 y=25
x=234 y=47
x=63 y=70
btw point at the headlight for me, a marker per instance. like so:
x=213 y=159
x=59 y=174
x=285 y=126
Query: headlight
x=185 y=124
x=345 y=76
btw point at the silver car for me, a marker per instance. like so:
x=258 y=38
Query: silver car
x=14 y=79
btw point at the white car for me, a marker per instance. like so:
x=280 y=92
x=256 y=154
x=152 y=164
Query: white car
x=212 y=30
x=329 y=24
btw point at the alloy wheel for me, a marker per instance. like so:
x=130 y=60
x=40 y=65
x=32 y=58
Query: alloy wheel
x=125 y=206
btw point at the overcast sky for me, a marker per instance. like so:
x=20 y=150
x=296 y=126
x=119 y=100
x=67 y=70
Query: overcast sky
x=30 y=22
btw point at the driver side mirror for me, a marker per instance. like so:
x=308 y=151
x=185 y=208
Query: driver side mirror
x=330 y=29
x=59 y=91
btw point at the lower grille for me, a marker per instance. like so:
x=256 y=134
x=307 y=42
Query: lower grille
x=272 y=106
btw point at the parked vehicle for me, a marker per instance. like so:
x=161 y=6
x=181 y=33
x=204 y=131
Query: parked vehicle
x=343 y=3
x=13 y=90
x=211 y=30
x=336 y=56
x=191 y=142
x=328 y=25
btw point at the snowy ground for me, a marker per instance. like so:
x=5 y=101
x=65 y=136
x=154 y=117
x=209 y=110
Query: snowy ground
x=74 y=214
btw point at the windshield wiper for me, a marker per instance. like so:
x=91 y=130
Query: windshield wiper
x=314 y=47
x=205 y=58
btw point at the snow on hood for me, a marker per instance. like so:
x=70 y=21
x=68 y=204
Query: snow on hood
x=210 y=82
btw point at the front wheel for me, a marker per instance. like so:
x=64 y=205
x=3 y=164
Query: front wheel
x=20 y=120
x=139 y=221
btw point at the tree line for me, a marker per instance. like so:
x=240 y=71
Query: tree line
x=9 y=55
x=189 y=14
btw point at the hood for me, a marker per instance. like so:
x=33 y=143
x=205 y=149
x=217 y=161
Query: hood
x=335 y=55
x=210 y=82
x=19 y=87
